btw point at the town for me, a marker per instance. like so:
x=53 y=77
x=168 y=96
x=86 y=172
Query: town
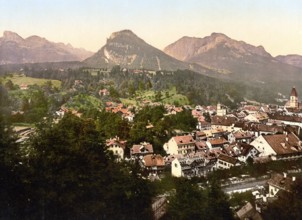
x=220 y=139
x=153 y=110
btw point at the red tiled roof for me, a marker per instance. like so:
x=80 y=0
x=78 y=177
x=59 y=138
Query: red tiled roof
x=284 y=144
x=187 y=139
x=154 y=160
x=116 y=141
x=142 y=148
x=218 y=141
x=200 y=134
x=242 y=135
x=228 y=159
x=201 y=145
x=223 y=120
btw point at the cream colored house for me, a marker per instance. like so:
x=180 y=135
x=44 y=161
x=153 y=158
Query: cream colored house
x=180 y=145
x=221 y=110
x=226 y=162
x=117 y=147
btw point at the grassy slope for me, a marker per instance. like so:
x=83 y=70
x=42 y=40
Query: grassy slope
x=83 y=101
x=21 y=79
x=150 y=95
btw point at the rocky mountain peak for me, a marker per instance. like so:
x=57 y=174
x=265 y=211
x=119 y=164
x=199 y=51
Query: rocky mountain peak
x=12 y=36
x=125 y=33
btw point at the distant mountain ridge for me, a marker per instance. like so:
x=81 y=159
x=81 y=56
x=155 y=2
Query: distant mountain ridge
x=126 y=49
x=291 y=59
x=14 y=49
x=234 y=59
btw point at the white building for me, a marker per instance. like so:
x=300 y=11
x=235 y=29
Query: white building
x=187 y=166
x=278 y=146
x=117 y=147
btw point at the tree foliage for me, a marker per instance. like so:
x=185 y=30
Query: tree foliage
x=288 y=205
x=68 y=174
x=192 y=202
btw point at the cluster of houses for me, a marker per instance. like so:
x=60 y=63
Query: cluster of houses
x=249 y=134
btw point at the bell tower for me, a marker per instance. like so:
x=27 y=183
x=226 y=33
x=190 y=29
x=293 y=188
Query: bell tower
x=293 y=99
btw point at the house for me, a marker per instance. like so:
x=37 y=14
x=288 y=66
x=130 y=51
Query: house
x=213 y=133
x=260 y=117
x=223 y=122
x=104 y=92
x=187 y=166
x=201 y=146
x=221 y=110
x=180 y=145
x=199 y=136
x=250 y=109
x=216 y=142
x=240 y=137
x=153 y=163
x=23 y=86
x=203 y=125
x=246 y=151
x=226 y=162
x=141 y=149
x=117 y=147
x=279 y=182
x=258 y=129
x=248 y=212
x=286 y=119
x=278 y=146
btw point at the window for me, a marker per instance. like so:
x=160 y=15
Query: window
x=175 y=165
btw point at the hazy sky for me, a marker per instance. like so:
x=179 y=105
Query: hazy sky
x=274 y=24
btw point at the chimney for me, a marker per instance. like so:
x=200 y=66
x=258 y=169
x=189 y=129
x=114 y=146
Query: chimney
x=284 y=175
x=294 y=179
x=286 y=139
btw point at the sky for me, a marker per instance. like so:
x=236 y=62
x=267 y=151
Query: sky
x=274 y=24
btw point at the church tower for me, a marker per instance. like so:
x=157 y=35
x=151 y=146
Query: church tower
x=293 y=99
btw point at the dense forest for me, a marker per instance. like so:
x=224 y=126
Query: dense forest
x=198 y=88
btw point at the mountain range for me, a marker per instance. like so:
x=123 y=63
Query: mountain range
x=292 y=59
x=35 y=49
x=126 y=49
x=216 y=55
x=233 y=59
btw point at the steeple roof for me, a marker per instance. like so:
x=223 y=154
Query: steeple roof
x=294 y=92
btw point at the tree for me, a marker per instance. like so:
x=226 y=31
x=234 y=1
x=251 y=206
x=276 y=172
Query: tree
x=10 y=183
x=70 y=175
x=192 y=202
x=288 y=205
x=158 y=96
x=9 y=85
x=189 y=202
